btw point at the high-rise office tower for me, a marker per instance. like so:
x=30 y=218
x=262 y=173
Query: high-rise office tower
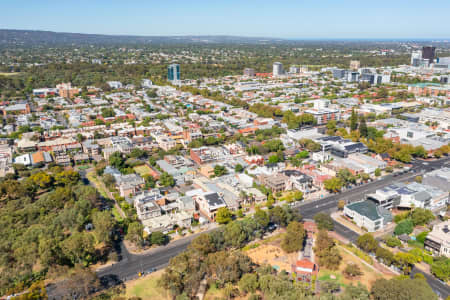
x=340 y=73
x=429 y=52
x=416 y=57
x=277 y=69
x=173 y=72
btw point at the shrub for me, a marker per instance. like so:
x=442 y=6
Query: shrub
x=352 y=270
x=392 y=241
x=404 y=227
x=422 y=236
x=360 y=254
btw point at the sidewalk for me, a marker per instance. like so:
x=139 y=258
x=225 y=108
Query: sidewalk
x=338 y=217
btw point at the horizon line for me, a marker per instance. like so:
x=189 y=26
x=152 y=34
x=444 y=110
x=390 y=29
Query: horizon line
x=442 y=39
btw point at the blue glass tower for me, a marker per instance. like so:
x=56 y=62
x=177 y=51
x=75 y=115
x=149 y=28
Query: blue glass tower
x=173 y=72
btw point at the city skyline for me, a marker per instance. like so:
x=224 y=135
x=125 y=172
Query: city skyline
x=302 y=20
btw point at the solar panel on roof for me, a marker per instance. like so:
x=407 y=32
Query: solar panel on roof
x=405 y=191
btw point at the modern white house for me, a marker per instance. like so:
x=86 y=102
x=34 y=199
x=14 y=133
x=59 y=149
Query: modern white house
x=368 y=215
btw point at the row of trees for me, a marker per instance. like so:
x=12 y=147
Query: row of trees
x=375 y=141
x=403 y=260
x=273 y=145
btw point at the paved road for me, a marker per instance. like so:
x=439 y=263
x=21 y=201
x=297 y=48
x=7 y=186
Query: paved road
x=440 y=288
x=131 y=264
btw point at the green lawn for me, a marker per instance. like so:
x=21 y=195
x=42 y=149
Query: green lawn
x=143 y=170
x=415 y=244
x=325 y=275
x=92 y=178
x=146 y=288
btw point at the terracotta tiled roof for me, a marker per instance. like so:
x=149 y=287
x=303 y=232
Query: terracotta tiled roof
x=305 y=264
x=38 y=157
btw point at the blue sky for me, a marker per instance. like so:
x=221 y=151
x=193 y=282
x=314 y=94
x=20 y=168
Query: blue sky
x=276 y=18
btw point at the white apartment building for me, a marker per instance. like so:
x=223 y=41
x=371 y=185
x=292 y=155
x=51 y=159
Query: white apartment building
x=277 y=69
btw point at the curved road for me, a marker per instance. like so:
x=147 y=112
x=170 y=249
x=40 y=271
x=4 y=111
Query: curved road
x=131 y=265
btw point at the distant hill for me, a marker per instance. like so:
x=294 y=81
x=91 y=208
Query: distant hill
x=35 y=38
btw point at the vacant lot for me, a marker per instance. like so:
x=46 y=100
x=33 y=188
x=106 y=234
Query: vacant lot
x=270 y=252
x=147 y=288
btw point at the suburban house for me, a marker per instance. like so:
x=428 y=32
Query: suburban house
x=438 y=240
x=129 y=184
x=167 y=222
x=299 y=181
x=209 y=203
x=146 y=206
x=276 y=182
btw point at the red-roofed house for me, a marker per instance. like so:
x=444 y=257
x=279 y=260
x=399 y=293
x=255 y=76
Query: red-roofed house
x=247 y=131
x=304 y=270
x=254 y=160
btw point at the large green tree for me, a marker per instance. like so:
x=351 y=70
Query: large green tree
x=326 y=251
x=404 y=227
x=367 y=242
x=324 y=221
x=363 y=126
x=166 y=180
x=333 y=184
x=402 y=289
x=223 y=215
x=294 y=237
x=135 y=233
x=441 y=268
x=103 y=225
x=353 y=120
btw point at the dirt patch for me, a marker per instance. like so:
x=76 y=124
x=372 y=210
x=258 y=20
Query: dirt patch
x=272 y=255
